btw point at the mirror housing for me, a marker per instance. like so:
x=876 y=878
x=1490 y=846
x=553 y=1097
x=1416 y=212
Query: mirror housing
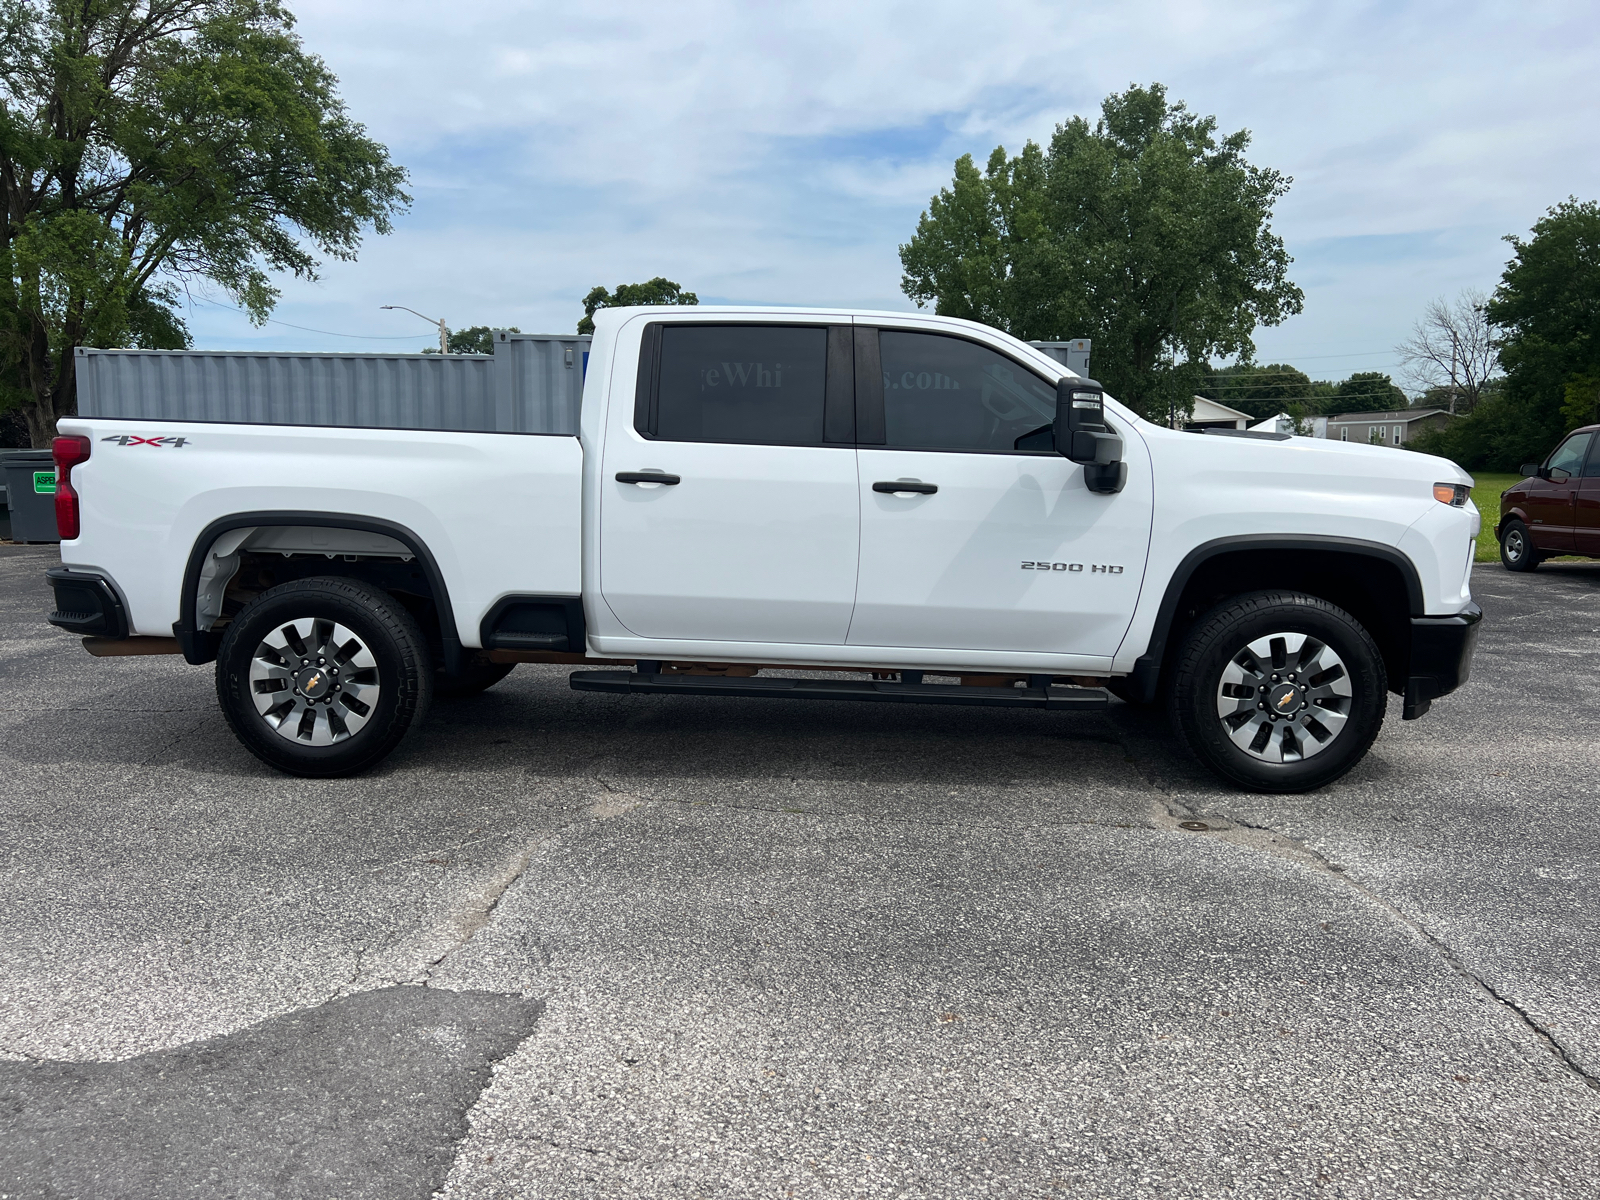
x=1531 y=471
x=1082 y=435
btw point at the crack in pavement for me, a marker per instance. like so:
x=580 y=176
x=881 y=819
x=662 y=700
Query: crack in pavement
x=176 y=739
x=470 y=922
x=1170 y=813
x=420 y=856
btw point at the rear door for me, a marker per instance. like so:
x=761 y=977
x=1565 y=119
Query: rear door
x=757 y=538
x=1551 y=503
x=993 y=543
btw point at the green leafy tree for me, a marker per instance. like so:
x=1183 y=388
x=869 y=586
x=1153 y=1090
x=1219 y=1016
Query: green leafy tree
x=1547 y=308
x=474 y=339
x=1146 y=232
x=147 y=145
x=1581 y=400
x=1261 y=391
x=659 y=290
x=1365 y=391
x=1547 y=311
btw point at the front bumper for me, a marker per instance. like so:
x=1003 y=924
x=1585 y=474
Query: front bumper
x=1441 y=657
x=86 y=604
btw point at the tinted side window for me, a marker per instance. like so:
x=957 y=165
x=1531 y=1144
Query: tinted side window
x=944 y=393
x=1569 y=455
x=758 y=384
x=1591 y=469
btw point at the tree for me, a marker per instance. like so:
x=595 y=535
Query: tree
x=474 y=339
x=1261 y=391
x=1365 y=391
x=1548 y=309
x=1451 y=350
x=659 y=290
x=1145 y=232
x=147 y=145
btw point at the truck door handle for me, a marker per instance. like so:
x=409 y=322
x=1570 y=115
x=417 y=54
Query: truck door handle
x=646 y=477
x=906 y=485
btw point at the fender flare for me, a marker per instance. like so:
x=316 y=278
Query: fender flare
x=200 y=646
x=1513 y=513
x=1142 y=681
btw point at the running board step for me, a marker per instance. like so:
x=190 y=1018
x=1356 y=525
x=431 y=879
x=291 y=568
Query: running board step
x=1054 y=698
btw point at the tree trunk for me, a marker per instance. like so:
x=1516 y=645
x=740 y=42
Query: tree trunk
x=53 y=393
x=40 y=418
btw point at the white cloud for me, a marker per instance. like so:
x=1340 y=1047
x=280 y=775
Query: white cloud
x=780 y=152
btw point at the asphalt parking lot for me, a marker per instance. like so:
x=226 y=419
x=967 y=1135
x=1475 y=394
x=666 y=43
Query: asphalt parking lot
x=571 y=944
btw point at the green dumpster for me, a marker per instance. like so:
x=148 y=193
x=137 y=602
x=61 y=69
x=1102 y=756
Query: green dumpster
x=30 y=477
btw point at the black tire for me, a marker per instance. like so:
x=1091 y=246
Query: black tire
x=472 y=679
x=390 y=667
x=1517 y=551
x=1293 y=673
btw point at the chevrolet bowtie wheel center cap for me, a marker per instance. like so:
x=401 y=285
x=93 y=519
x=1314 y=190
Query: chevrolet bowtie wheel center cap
x=314 y=682
x=1283 y=700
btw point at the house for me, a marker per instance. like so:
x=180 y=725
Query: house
x=1386 y=428
x=1284 y=423
x=1208 y=414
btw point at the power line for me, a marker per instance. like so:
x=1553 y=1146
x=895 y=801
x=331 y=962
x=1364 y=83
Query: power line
x=1352 y=354
x=366 y=337
x=1231 y=373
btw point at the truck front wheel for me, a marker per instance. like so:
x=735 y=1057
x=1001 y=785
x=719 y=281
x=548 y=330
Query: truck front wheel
x=323 y=677
x=1516 y=547
x=1278 y=691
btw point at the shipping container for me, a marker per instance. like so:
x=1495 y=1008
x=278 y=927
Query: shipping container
x=532 y=383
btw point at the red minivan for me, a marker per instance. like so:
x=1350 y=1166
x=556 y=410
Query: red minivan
x=1556 y=509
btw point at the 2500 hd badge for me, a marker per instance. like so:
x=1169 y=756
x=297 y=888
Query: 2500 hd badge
x=1094 y=568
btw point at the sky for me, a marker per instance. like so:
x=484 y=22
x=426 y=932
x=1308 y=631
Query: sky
x=766 y=153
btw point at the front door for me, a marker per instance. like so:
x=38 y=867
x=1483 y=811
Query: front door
x=756 y=541
x=1586 y=519
x=1551 y=502
x=1010 y=552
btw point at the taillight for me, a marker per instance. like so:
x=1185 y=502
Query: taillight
x=68 y=453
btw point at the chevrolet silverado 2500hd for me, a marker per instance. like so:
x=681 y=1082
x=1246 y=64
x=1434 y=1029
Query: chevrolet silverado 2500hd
x=877 y=501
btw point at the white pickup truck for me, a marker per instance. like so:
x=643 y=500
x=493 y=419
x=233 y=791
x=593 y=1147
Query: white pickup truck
x=784 y=503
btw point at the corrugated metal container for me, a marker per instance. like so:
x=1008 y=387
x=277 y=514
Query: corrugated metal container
x=1073 y=355
x=526 y=386
x=539 y=381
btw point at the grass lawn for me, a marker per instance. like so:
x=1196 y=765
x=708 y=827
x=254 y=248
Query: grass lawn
x=1486 y=491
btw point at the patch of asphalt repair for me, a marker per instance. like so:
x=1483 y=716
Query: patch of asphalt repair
x=363 y=1098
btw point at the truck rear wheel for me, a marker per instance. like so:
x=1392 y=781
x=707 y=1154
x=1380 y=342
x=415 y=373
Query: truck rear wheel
x=1278 y=691
x=323 y=677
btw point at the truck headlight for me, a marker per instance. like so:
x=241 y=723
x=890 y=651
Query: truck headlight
x=1453 y=494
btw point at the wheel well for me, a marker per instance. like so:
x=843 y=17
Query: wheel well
x=1373 y=590
x=403 y=579
x=237 y=558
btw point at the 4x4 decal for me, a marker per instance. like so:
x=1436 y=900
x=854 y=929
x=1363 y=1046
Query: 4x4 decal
x=133 y=439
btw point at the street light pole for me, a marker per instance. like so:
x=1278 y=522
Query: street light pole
x=444 y=330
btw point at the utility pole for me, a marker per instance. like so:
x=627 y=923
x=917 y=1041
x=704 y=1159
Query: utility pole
x=444 y=330
x=1453 y=355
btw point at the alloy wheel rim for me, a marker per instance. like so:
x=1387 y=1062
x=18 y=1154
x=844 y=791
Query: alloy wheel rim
x=1284 y=697
x=1514 y=545
x=314 y=681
